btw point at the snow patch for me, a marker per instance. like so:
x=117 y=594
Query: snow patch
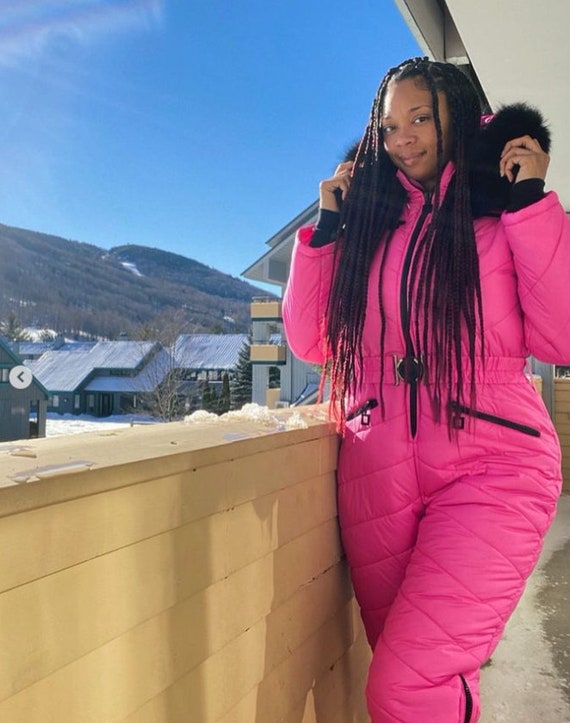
x=249 y=413
x=129 y=266
x=58 y=425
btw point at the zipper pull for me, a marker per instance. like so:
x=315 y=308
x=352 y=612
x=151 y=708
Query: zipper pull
x=365 y=412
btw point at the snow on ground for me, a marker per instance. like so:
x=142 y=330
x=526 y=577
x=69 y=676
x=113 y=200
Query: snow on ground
x=61 y=424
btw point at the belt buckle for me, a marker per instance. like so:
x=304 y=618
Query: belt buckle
x=402 y=367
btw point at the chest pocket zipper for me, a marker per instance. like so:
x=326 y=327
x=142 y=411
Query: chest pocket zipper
x=363 y=411
x=459 y=421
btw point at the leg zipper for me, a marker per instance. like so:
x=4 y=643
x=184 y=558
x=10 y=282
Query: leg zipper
x=468 y=700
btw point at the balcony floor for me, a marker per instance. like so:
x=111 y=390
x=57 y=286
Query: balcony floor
x=528 y=678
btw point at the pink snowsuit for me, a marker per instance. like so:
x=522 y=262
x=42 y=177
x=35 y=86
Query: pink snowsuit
x=442 y=534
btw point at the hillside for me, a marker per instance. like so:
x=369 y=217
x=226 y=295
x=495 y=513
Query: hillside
x=69 y=286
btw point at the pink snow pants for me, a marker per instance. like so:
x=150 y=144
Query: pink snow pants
x=441 y=536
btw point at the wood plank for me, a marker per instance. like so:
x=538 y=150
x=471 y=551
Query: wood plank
x=101 y=523
x=57 y=619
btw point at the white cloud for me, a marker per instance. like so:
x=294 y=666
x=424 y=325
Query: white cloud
x=31 y=29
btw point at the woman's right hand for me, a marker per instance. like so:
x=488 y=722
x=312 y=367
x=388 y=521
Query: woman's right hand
x=340 y=181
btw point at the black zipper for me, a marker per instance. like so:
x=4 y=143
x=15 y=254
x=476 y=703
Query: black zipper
x=405 y=311
x=458 y=421
x=363 y=411
x=468 y=700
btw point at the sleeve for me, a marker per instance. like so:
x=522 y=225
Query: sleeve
x=306 y=297
x=539 y=238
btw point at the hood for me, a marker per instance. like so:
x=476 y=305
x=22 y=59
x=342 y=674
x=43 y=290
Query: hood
x=490 y=193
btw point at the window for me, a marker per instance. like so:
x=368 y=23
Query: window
x=76 y=401
x=4 y=375
x=55 y=400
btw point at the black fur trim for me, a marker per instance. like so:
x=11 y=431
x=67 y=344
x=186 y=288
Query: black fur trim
x=490 y=193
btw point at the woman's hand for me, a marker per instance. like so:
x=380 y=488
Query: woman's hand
x=527 y=153
x=340 y=181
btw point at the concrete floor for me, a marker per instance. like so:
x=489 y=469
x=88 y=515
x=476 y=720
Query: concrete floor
x=528 y=677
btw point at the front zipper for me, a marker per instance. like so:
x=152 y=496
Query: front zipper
x=468 y=700
x=405 y=311
x=458 y=422
x=363 y=411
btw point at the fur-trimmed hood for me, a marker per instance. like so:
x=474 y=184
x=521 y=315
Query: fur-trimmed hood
x=490 y=193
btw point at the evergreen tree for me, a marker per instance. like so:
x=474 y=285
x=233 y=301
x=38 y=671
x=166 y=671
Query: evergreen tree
x=210 y=398
x=224 y=399
x=12 y=329
x=241 y=384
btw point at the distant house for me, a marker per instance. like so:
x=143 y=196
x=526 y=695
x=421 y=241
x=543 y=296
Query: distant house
x=23 y=399
x=100 y=379
x=114 y=377
x=206 y=357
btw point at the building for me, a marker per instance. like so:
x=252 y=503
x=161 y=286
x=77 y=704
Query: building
x=116 y=377
x=101 y=379
x=23 y=399
x=299 y=381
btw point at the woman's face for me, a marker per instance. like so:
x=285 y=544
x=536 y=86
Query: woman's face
x=409 y=133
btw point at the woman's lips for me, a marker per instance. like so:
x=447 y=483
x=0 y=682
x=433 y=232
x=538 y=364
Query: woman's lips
x=411 y=160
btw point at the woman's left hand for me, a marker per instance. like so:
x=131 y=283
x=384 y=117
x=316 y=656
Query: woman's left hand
x=526 y=153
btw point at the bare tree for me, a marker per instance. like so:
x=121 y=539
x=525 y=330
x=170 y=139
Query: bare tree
x=166 y=394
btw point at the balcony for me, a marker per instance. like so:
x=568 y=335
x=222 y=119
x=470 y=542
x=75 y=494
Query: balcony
x=274 y=354
x=193 y=574
x=266 y=310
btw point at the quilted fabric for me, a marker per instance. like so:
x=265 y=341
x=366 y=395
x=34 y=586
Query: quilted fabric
x=441 y=534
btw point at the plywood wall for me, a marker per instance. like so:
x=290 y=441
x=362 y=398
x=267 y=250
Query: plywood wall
x=217 y=593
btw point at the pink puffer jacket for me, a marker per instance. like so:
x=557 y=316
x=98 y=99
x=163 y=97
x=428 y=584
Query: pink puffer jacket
x=484 y=499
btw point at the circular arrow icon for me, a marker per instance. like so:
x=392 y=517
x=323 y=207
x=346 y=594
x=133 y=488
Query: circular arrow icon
x=20 y=377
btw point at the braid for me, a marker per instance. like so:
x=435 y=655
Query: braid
x=444 y=292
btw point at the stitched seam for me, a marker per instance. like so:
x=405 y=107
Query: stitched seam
x=463 y=585
x=485 y=542
x=446 y=634
x=512 y=508
x=388 y=556
x=374 y=518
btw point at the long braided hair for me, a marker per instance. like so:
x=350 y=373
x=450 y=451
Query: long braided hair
x=444 y=292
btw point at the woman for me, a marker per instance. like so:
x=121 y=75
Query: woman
x=425 y=294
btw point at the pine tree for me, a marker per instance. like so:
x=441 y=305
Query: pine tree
x=241 y=384
x=224 y=400
x=12 y=329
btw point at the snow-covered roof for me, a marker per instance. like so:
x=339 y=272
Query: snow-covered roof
x=145 y=381
x=64 y=371
x=32 y=348
x=72 y=366
x=208 y=351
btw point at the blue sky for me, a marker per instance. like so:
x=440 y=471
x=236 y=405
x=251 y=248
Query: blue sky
x=195 y=126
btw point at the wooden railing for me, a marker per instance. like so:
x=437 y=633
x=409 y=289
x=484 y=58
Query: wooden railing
x=177 y=573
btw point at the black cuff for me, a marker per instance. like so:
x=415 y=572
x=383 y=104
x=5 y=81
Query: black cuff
x=524 y=193
x=325 y=228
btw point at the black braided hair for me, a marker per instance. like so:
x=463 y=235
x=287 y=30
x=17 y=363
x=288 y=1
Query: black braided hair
x=444 y=284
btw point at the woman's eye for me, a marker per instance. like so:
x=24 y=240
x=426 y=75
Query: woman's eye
x=386 y=129
x=421 y=119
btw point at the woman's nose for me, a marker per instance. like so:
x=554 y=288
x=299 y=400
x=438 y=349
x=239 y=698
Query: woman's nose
x=404 y=137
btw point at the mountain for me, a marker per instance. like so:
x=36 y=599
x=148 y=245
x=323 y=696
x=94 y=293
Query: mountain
x=73 y=287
